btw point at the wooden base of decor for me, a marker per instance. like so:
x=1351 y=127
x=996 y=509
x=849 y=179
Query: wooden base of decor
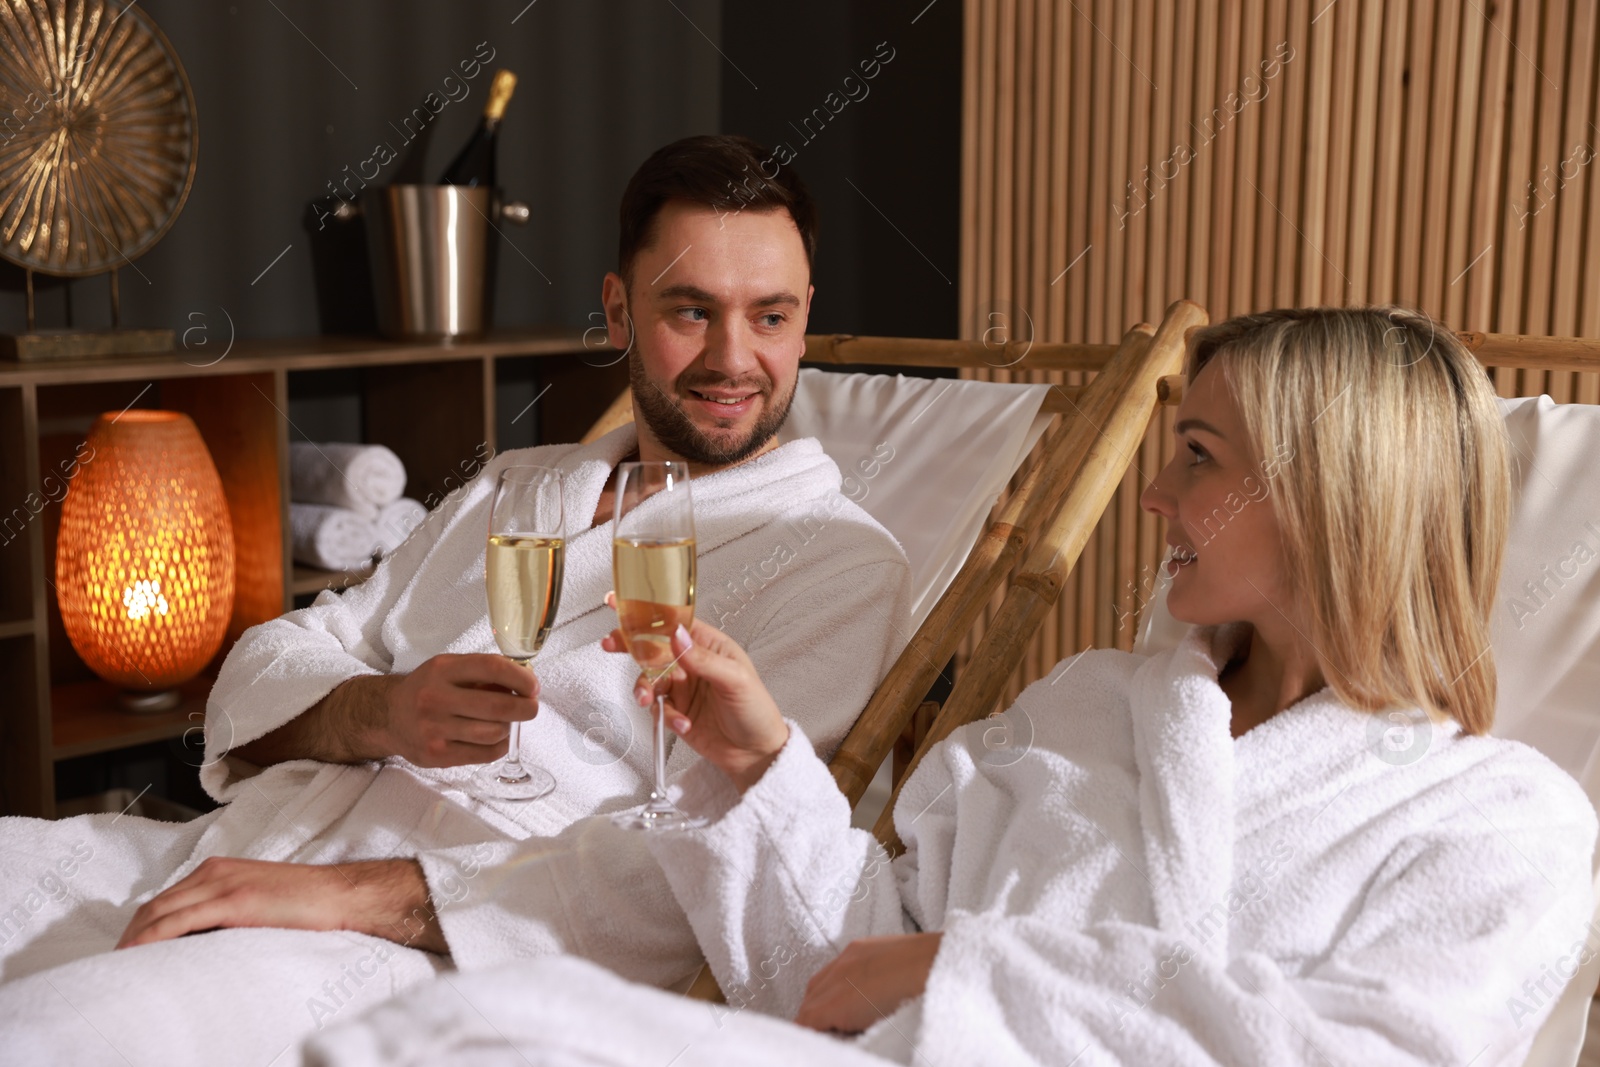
x=39 y=345
x=148 y=703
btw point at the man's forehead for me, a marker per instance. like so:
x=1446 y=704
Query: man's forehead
x=743 y=257
x=681 y=223
x=754 y=296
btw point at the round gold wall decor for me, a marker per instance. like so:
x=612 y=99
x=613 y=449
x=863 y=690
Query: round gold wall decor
x=98 y=134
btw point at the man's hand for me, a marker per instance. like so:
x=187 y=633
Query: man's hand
x=715 y=701
x=385 y=898
x=868 y=981
x=453 y=710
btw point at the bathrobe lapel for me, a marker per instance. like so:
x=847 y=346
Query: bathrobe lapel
x=1184 y=753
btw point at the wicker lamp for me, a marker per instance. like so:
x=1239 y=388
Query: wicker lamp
x=144 y=565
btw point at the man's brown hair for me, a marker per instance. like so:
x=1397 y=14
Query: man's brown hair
x=724 y=172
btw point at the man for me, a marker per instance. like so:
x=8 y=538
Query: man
x=345 y=737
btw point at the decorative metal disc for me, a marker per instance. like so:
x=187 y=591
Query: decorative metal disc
x=97 y=134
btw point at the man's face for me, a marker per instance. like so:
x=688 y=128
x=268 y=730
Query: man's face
x=717 y=307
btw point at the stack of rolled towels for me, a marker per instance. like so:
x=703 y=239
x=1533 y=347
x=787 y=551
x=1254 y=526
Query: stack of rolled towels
x=346 y=503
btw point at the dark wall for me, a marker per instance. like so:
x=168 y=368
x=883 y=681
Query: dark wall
x=292 y=92
x=882 y=156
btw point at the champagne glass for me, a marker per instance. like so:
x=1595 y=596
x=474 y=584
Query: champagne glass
x=652 y=555
x=522 y=575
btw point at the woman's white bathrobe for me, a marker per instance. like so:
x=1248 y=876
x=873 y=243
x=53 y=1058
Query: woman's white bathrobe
x=1118 y=878
x=815 y=589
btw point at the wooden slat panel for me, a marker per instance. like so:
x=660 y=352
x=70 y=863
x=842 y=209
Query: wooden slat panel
x=1442 y=105
x=1458 y=237
x=1482 y=271
x=1389 y=160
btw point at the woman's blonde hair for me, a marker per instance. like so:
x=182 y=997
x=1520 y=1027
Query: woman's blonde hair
x=1394 y=503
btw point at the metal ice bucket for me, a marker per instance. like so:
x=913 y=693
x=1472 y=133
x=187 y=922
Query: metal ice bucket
x=429 y=246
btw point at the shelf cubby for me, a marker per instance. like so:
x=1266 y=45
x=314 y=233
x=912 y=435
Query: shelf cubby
x=433 y=404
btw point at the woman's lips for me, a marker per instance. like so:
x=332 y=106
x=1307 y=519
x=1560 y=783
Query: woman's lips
x=1182 y=556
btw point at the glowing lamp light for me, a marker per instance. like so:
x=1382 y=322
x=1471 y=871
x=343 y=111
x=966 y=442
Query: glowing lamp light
x=144 y=565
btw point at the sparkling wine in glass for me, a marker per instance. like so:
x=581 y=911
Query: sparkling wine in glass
x=522 y=576
x=653 y=566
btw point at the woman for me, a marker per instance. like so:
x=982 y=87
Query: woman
x=1285 y=841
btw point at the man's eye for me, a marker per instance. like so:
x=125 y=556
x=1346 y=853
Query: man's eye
x=772 y=319
x=693 y=314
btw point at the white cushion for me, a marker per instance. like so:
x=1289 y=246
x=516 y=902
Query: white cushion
x=1546 y=633
x=1546 y=628
x=926 y=457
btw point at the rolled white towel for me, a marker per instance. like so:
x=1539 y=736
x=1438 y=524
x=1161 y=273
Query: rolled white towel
x=336 y=539
x=396 y=520
x=362 y=478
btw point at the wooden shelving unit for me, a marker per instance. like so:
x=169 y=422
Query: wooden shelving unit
x=305 y=579
x=85 y=719
x=433 y=404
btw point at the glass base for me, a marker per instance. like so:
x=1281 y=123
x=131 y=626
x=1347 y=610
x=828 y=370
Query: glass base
x=658 y=817
x=533 y=784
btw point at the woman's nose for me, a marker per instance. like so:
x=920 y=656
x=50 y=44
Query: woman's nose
x=1156 y=498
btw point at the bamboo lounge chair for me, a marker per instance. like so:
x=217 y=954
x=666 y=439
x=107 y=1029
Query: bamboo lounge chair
x=1045 y=523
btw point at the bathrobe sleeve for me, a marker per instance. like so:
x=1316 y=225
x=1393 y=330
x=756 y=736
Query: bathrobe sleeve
x=282 y=667
x=780 y=883
x=596 y=891
x=1429 y=969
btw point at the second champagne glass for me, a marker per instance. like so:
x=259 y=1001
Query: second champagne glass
x=653 y=564
x=522 y=575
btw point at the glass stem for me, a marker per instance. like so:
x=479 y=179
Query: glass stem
x=511 y=768
x=659 y=799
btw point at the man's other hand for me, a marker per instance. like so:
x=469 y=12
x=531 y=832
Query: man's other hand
x=384 y=898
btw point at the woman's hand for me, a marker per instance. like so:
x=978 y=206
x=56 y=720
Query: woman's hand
x=868 y=981
x=715 y=701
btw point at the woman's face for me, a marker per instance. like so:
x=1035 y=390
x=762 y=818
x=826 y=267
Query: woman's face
x=1226 y=552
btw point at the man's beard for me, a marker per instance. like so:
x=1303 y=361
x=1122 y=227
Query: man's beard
x=678 y=434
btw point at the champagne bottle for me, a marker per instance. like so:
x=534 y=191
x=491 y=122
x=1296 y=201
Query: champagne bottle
x=409 y=172
x=475 y=163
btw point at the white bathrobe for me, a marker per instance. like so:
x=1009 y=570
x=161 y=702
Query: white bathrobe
x=1116 y=876
x=1118 y=881
x=812 y=586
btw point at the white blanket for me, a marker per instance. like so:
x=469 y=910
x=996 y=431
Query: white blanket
x=819 y=596
x=1117 y=878
x=523 y=1014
